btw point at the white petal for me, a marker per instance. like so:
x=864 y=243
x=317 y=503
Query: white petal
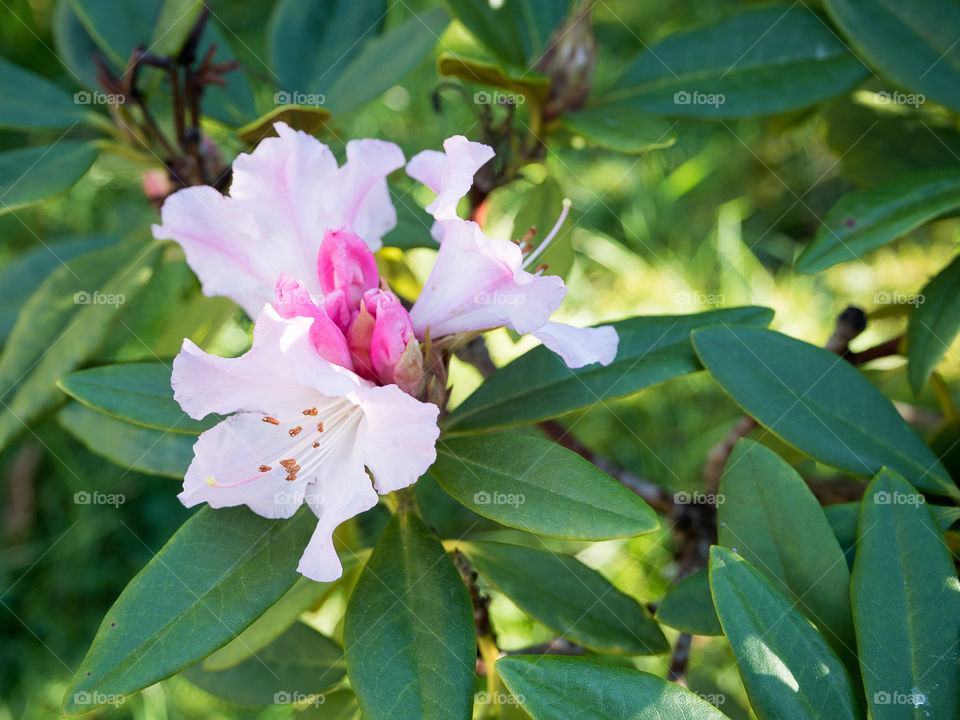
x=232 y=452
x=477 y=283
x=346 y=491
x=365 y=205
x=580 y=346
x=449 y=173
x=397 y=436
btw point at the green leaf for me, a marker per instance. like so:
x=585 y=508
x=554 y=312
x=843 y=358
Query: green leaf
x=312 y=41
x=688 y=606
x=220 y=572
x=299 y=663
x=568 y=597
x=530 y=85
x=409 y=633
x=28 y=101
x=234 y=103
x=117 y=28
x=538 y=385
x=385 y=60
x=173 y=25
x=934 y=324
x=337 y=705
x=621 y=128
x=913 y=44
x=74 y=46
x=516 y=31
x=818 y=403
x=761 y=61
x=274 y=622
x=157 y=452
x=868 y=219
x=300 y=117
x=533 y=484
x=766 y=507
x=787 y=667
x=565 y=688
x=906 y=605
x=63 y=324
x=843 y=520
x=31 y=174
x=21 y=276
x=136 y=392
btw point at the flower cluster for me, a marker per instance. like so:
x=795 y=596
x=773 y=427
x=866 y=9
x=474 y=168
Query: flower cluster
x=331 y=392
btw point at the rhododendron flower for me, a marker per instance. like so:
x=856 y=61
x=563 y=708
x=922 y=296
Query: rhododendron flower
x=283 y=196
x=303 y=430
x=479 y=283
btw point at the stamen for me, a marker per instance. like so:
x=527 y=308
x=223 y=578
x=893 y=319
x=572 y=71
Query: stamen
x=311 y=411
x=316 y=444
x=552 y=234
x=320 y=427
x=540 y=269
x=271 y=420
x=295 y=431
x=288 y=463
x=290 y=478
x=214 y=483
x=265 y=468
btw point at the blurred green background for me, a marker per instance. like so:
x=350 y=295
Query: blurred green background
x=715 y=220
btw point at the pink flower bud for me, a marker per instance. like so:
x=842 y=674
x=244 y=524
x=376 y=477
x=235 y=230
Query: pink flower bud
x=346 y=263
x=359 y=336
x=391 y=333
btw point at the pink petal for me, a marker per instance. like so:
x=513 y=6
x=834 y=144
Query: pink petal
x=477 y=283
x=346 y=263
x=449 y=173
x=292 y=299
x=392 y=331
x=579 y=346
x=397 y=436
x=365 y=204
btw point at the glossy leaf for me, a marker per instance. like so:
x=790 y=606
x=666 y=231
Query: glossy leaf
x=313 y=41
x=136 y=392
x=21 y=276
x=568 y=597
x=766 y=507
x=906 y=605
x=623 y=129
x=409 y=634
x=565 y=688
x=299 y=663
x=117 y=28
x=62 y=325
x=530 y=85
x=868 y=219
x=31 y=174
x=385 y=60
x=533 y=484
x=818 y=403
x=221 y=570
x=538 y=385
x=73 y=44
x=304 y=594
x=934 y=324
x=688 y=606
x=760 y=61
x=913 y=44
x=309 y=119
x=28 y=100
x=516 y=31
x=787 y=667
x=157 y=452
